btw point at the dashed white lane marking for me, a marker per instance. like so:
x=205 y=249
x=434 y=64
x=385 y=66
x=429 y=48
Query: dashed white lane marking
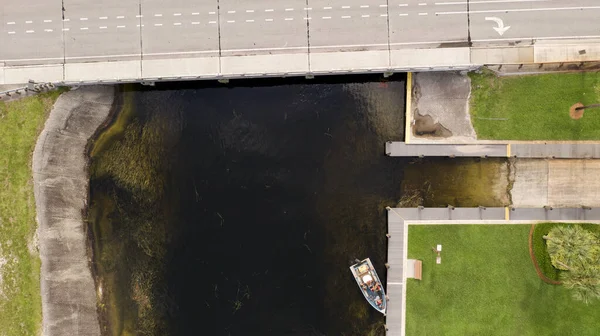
x=422 y=4
x=48 y=30
x=213 y=22
x=195 y=13
x=365 y=16
x=83 y=19
x=249 y=10
x=103 y=27
x=384 y=15
x=66 y=20
x=83 y=28
x=212 y=13
x=158 y=25
x=289 y=9
x=423 y=14
x=158 y=15
x=176 y=14
x=231 y=21
x=176 y=23
x=103 y=18
x=289 y=19
x=139 y=16
x=345 y=7
x=308 y=18
x=120 y=26
x=403 y=5
x=403 y=14
x=195 y=23
x=47 y=21
x=269 y=10
x=120 y=17
x=10 y=23
x=230 y=12
x=383 y=6
x=139 y=25
x=11 y=32
x=269 y=20
x=249 y=20
x=346 y=17
x=326 y=17
x=30 y=31
x=364 y=6
x=307 y=8
x=326 y=7
x=66 y=29
x=28 y=21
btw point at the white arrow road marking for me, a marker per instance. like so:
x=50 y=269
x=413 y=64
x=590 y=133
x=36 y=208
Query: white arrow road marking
x=501 y=29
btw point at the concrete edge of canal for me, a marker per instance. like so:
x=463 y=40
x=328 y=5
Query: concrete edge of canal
x=60 y=176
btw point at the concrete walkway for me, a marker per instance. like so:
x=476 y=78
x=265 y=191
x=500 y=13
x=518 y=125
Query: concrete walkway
x=61 y=192
x=532 y=150
x=400 y=218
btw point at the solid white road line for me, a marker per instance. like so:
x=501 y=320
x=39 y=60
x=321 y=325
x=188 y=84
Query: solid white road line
x=486 y=2
x=519 y=10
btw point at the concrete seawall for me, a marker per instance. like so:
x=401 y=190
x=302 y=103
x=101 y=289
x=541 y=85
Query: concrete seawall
x=61 y=190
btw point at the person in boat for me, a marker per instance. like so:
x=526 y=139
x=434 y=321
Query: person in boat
x=378 y=301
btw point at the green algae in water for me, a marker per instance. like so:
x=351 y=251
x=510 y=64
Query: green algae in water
x=458 y=182
x=129 y=218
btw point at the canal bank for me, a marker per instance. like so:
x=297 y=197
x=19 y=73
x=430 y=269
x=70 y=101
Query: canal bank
x=60 y=181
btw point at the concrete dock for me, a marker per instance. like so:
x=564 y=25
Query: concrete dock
x=531 y=150
x=400 y=218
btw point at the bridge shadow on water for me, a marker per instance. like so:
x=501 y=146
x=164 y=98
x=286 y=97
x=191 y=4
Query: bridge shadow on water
x=263 y=193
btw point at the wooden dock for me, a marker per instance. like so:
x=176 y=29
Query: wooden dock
x=400 y=218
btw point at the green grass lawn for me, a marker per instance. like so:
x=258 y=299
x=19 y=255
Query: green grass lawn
x=20 y=303
x=487 y=285
x=534 y=107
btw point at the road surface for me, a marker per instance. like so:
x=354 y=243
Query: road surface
x=80 y=31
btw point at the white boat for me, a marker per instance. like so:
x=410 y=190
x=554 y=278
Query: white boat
x=369 y=284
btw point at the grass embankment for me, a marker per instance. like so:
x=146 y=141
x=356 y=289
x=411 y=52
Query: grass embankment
x=487 y=285
x=539 y=246
x=534 y=107
x=20 y=303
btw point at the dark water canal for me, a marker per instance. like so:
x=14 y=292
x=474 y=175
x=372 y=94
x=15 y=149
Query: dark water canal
x=237 y=210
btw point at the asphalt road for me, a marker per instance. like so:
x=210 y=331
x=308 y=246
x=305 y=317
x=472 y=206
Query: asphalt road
x=53 y=31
